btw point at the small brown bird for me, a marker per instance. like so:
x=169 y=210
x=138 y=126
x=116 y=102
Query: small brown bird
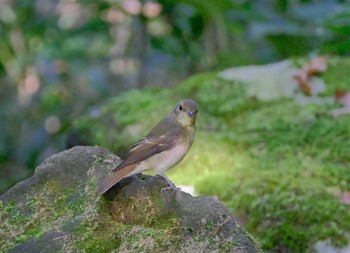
x=162 y=148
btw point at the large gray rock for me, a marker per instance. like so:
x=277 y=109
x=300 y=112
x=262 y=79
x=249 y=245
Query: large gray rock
x=58 y=209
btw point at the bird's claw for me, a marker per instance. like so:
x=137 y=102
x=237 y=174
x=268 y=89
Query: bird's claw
x=171 y=187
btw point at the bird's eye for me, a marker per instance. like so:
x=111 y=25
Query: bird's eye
x=180 y=107
x=196 y=111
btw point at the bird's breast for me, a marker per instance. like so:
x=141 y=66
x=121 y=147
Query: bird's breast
x=165 y=160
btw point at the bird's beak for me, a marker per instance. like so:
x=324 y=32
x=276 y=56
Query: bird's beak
x=190 y=113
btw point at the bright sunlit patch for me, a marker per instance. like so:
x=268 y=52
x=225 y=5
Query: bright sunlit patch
x=70 y=12
x=31 y=82
x=158 y=27
x=122 y=66
x=28 y=87
x=52 y=124
x=151 y=10
x=113 y=16
x=132 y=7
x=7 y=15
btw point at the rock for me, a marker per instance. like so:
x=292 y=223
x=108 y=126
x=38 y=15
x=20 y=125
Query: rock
x=272 y=81
x=59 y=209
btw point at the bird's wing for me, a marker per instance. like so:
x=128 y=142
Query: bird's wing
x=142 y=150
x=146 y=148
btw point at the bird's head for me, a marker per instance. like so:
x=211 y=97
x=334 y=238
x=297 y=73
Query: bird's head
x=186 y=112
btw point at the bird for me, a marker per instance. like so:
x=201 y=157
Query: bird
x=162 y=148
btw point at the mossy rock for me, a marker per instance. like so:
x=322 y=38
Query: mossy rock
x=59 y=209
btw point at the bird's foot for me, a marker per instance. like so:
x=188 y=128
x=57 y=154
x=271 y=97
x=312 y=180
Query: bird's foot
x=171 y=187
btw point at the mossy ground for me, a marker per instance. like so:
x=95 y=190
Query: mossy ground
x=277 y=165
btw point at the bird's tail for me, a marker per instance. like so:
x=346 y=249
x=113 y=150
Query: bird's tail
x=116 y=176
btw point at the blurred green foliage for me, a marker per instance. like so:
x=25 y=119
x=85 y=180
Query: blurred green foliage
x=59 y=57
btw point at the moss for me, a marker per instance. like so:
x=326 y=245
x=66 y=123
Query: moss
x=48 y=209
x=14 y=224
x=292 y=165
x=230 y=97
x=98 y=235
x=278 y=165
x=101 y=233
x=336 y=77
x=281 y=172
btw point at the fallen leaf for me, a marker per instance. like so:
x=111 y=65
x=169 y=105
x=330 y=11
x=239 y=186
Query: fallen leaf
x=304 y=84
x=315 y=66
x=344 y=98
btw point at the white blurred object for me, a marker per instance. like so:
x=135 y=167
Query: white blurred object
x=266 y=82
x=327 y=247
x=188 y=189
x=273 y=81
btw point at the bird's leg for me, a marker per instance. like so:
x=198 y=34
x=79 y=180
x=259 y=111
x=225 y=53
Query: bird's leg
x=172 y=186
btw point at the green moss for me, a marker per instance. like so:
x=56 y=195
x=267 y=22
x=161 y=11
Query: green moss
x=18 y=218
x=100 y=233
x=280 y=166
x=292 y=167
x=217 y=97
x=48 y=209
x=14 y=225
x=336 y=77
x=281 y=172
